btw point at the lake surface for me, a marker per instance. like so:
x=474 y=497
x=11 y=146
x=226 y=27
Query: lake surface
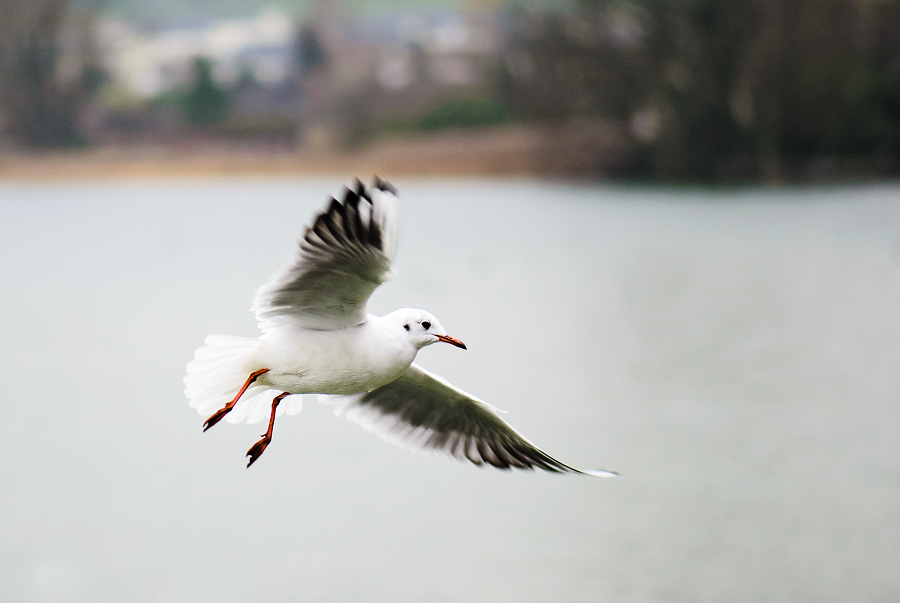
x=735 y=355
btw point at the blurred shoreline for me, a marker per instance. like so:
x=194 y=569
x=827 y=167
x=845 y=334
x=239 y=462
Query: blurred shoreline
x=513 y=151
x=711 y=93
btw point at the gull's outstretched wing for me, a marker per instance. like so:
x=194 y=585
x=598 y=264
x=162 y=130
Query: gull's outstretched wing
x=340 y=260
x=422 y=411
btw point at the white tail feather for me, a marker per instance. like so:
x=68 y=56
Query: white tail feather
x=216 y=374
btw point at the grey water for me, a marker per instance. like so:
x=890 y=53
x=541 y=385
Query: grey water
x=734 y=354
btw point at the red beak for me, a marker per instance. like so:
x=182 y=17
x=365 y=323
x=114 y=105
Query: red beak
x=451 y=341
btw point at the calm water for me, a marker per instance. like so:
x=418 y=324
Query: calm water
x=734 y=355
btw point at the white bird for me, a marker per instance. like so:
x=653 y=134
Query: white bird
x=318 y=339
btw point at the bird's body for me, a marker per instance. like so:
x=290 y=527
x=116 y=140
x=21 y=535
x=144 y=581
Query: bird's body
x=318 y=339
x=345 y=361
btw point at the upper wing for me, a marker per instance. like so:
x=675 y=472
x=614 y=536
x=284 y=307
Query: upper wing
x=421 y=410
x=341 y=259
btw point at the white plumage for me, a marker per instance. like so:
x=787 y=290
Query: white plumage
x=318 y=338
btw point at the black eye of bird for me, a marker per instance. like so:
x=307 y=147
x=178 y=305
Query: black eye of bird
x=426 y=325
x=406 y=326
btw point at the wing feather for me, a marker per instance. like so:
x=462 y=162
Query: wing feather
x=343 y=256
x=421 y=411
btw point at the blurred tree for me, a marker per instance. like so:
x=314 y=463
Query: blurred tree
x=715 y=90
x=205 y=103
x=47 y=71
x=878 y=89
x=310 y=52
x=695 y=53
x=464 y=113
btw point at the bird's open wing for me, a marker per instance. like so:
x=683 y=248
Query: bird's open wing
x=422 y=411
x=340 y=260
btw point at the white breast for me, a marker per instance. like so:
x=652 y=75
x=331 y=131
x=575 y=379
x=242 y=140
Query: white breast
x=346 y=361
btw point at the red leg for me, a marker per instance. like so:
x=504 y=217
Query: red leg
x=220 y=414
x=257 y=449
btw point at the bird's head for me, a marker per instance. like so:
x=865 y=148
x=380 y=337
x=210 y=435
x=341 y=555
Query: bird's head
x=421 y=328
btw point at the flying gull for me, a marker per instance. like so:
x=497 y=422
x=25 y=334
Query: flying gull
x=318 y=339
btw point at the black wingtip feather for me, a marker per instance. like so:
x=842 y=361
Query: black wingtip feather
x=375 y=235
x=320 y=228
x=385 y=186
x=333 y=228
x=361 y=190
x=342 y=220
x=350 y=195
x=352 y=221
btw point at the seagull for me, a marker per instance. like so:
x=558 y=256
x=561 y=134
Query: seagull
x=317 y=338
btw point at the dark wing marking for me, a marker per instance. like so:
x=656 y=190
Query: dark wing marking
x=423 y=411
x=341 y=259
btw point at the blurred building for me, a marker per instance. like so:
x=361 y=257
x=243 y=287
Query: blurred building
x=340 y=78
x=389 y=72
x=149 y=63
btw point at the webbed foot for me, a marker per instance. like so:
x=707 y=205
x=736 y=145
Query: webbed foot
x=257 y=449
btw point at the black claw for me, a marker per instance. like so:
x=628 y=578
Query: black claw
x=257 y=449
x=220 y=414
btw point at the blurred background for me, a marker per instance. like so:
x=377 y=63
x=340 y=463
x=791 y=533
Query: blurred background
x=667 y=230
x=702 y=90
